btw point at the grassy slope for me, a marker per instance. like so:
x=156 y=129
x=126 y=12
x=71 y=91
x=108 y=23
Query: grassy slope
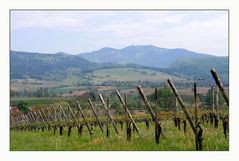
x=129 y=74
x=37 y=101
x=173 y=140
x=98 y=76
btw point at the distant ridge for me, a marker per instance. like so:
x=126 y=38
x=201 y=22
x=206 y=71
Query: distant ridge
x=40 y=66
x=146 y=55
x=180 y=62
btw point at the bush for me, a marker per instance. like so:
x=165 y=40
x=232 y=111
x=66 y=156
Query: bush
x=23 y=106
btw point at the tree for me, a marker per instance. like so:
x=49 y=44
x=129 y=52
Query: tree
x=41 y=92
x=93 y=93
x=117 y=106
x=14 y=93
x=166 y=98
x=23 y=106
x=208 y=98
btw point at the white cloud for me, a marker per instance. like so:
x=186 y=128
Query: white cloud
x=199 y=31
x=42 y=19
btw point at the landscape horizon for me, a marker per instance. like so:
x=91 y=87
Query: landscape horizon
x=126 y=97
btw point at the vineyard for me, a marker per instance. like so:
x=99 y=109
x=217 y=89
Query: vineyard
x=59 y=126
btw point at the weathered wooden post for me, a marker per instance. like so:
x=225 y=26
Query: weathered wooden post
x=42 y=120
x=47 y=120
x=44 y=115
x=71 y=112
x=110 y=117
x=73 y=116
x=186 y=112
x=127 y=111
x=219 y=84
x=63 y=113
x=217 y=103
x=185 y=127
x=196 y=113
x=55 y=114
x=83 y=116
x=225 y=123
x=50 y=115
x=212 y=90
x=34 y=118
x=157 y=128
x=154 y=118
x=156 y=99
x=55 y=118
x=128 y=123
x=107 y=118
x=94 y=112
x=176 y=106
x=181 y=104
x=29 y=116
x=40 y=114
x=147 y=105
x=67 y=121
x=61 y=130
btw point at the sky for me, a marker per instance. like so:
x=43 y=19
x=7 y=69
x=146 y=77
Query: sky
x=75 y=32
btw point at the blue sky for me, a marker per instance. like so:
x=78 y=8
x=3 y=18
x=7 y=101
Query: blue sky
x=82 y=31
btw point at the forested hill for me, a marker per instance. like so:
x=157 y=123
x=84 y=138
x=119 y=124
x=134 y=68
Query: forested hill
x=40 y=66
x=178 y=62
x=146 y=55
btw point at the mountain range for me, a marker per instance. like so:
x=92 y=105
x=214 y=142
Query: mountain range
x=40 y=66
x=146 y=55
x=174 y=61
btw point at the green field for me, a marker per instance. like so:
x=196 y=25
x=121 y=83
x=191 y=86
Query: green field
x=78 y=85
x=37 y=101
x=33 y=84
x=130 y=74
x=173 y=140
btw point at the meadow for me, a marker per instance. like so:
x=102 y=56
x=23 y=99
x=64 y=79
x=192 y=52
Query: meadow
x=172 y=139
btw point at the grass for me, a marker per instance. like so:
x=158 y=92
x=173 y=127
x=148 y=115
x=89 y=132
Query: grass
x=173 y=140
x=37 y=101
x=33 y=84
x=130 y=74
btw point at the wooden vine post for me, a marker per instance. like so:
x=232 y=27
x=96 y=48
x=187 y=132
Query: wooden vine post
x=109 y=115
x=83 y=116
x=212 y=90
x=157 y=116
x=127 y=111
x=50 y=115
x=198 y=137
x=71 y=112
x=73 y=116
x=96 y=116
x=128 y=122
x=154 y=118
x=147 y=105
x=63 y=113
x=181 y=104
x=196 y=113
x=55 y=114
x=217 y=103
x=220 y=86
x=107 y=118
x=156 y=99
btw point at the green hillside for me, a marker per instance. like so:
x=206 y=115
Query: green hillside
x=200 y=68
x=130 y=74
x=47 y=66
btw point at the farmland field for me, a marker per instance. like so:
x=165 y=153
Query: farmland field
x=131 y=74
x=173 y=140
